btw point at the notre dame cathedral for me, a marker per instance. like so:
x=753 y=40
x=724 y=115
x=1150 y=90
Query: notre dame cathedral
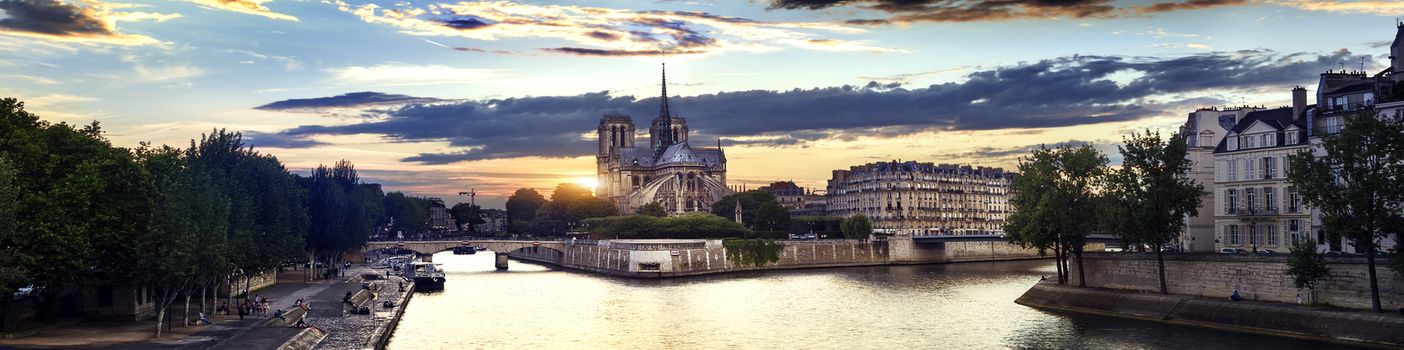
x=667 y=170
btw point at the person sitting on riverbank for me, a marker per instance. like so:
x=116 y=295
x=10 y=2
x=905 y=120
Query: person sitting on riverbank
x=1235 y=296
x=223 y=309
x=278 y=314
x=203 y=318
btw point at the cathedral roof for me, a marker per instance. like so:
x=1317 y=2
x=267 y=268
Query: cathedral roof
x=679 y=153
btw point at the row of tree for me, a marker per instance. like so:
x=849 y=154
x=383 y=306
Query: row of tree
x=1064 y=194
x=530 y=213
x=77 y=211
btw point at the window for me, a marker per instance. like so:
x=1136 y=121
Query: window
x=1270 y=198
x=1206 y=140
x=1333 y=125
x=1233 y=143
x=1292 y=137
x=1294 y=228
x=1294 y=200
x=1232 y=170
x=1269 y=167
x=1271 y=234
x=1270 y=139
x=1252 y=141
x=1231 y=204
x=1248 y=169
x=1234 y=235
x=1250 y=195
x=1255 y=236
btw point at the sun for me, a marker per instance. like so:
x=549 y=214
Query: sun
x=588 y=182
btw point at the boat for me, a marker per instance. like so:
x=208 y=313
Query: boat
x=481 y=248
x=427 y=276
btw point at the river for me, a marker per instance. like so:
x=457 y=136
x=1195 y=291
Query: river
x=952 y=306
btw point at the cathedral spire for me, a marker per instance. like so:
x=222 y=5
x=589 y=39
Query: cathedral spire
x=665 y=132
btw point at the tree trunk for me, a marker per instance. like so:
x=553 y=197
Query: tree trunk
x=1081 y=275
x=185 y=317
x=229 y=294
x=204 y=287
x=1160 y=263
x=1058 y=261
x=160 y=314
x=1374 y=283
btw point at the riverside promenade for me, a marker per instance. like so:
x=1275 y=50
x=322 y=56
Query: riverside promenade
x=331 y=327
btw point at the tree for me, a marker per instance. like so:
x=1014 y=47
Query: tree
x=469 y=214
x=185 y=243
x=1353 y=181
x=1306 y=265
x=1057 y=201
x=652 y=209
x=759 y=210
x=523 y=204
x=857 y=227
x=1154 y=192
x=409 y=214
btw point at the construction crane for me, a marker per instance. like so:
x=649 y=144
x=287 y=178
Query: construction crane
x=472 y=196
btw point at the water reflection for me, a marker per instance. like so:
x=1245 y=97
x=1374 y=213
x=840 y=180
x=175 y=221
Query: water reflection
x=962 y=306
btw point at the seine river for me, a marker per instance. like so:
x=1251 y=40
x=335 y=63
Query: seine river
x=956 y=306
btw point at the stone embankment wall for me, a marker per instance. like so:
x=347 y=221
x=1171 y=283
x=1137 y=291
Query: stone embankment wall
x=684 y=258
x=1256 y=277
x=1266 y=318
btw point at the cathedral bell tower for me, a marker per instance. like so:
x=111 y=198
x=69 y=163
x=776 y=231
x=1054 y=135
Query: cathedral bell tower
x=615 y=132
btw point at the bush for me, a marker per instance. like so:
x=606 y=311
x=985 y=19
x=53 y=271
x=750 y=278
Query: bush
x=857 y=227
x=693 y=225
x=815 y=224
x=752 y=252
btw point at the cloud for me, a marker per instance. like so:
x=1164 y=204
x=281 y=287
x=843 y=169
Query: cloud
x=1059 y=92
x=907 y=11
x=248 y=7
x=399 y=74
x=349 y=100
x=94 y=22
x=1382 y=8
x=164 y=74
x=595 y=31
x=279 y=140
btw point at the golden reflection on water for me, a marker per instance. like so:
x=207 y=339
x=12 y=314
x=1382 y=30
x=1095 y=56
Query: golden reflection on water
x=956 y=306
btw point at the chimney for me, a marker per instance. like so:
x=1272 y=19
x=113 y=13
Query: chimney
x=1299 y=102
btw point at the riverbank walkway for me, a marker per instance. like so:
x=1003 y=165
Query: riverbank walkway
x=226 y=331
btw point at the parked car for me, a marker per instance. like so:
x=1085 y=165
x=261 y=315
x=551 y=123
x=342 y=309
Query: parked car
x=1266 y=251
x=24 y=292
x=1233 y=251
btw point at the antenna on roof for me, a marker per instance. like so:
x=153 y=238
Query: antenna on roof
x=1362 y=64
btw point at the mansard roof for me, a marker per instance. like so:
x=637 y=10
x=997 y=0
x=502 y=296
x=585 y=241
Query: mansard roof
x=1277 y=118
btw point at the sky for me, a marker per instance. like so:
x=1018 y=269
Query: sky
x=435 y=98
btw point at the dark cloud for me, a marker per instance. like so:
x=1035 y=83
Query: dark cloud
x=464 y=23
x=279 y=140
x=1059 y=92
x=354 y=99
x=52 y=17
x=904 y=11
x=581 y=51
x=602 y=35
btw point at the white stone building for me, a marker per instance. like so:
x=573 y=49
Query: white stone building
x=923 y=198
x=1204 y=129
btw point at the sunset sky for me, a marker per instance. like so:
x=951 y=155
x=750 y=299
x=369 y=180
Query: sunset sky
x=433 y=98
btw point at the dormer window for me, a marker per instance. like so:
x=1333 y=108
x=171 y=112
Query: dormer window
x=1233 y=143
x=1292 y=137
x=1270 y=139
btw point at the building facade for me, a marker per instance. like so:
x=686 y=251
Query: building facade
x=923 y=198
x=667 y=170
x=799 y=201
x=1256 y=207
x=494 y=221
x=439 y=218
x=1204 y=129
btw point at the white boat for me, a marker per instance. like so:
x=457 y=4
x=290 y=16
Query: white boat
x=427 y=276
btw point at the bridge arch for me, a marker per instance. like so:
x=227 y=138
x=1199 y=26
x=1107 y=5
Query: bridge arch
x=541 y=251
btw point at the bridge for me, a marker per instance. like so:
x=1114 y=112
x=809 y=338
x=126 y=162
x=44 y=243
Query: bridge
x=501 y=247
x=1093 y=238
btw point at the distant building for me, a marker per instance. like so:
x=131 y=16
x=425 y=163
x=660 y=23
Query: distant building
x=923 y=198
x=1204 y=129
x=798 y=200
x=668 y=170
x=494 y=221
x=1255 y=206
x=439 y=218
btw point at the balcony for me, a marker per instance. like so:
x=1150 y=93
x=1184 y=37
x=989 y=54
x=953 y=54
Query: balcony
x=1253 y=212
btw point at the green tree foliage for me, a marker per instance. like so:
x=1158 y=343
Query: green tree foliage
x=186 y=242
x=1057 y=199
x=266 y=220
x=523 y=204
x=752 y=252
x=760 y=210
x=1305 y=264
x=465 y=213
x=1153 y=194
x=409 y=214
x=570 y=203
x=337 y=209
x=691 y=225
x=857 y=227
x=652 y=209
x=78 y=201
x=12 y=271
x=1355 y=184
